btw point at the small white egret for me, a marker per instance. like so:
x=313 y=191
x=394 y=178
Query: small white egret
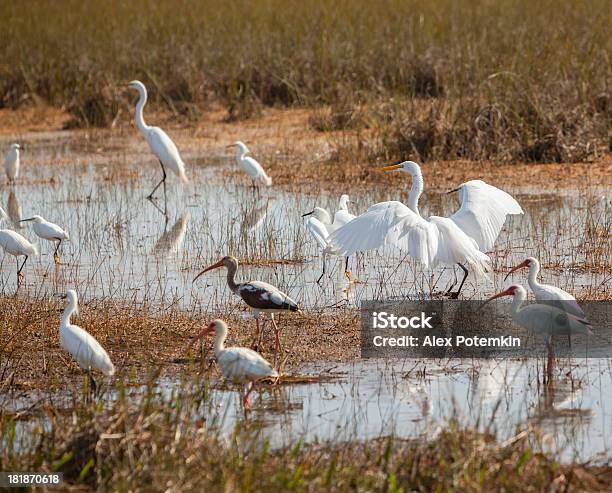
x=249 y=165
x=437 y=240
x=320 y=226
x=11 y=162
x=16 y=245
x=50 y=232
x=260 y=296
x=239 y=364
x=83 y=347
x=545 y=292
x=160 y=144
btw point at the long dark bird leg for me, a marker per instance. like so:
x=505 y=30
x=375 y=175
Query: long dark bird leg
x=455 y=295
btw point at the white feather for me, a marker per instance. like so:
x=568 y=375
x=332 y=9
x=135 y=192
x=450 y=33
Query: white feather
x=483 y=212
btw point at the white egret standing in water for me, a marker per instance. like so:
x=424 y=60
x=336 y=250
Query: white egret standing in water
x=239 y=364
x=11 y=163
x=50 y=232
x=83 y=347
x=16 y=245
x=248 y=164
x=458 y=239
x=160 y=144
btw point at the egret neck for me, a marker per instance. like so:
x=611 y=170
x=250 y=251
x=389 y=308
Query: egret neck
x=416 y=188
x=68 y=311
x=142 y=100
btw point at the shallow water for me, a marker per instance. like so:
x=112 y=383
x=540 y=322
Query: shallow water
x=122 y=246
x=381 y=398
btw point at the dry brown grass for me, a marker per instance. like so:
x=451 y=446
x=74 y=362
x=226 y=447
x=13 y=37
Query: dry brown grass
x=139 y=339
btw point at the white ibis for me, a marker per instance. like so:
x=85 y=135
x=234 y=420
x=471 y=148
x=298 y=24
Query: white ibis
x=544 y=321
x=11 y=163
x=458 y=239
x=160 y=144
x=260 y=296
x=545 y=292
x=320 y=226
x=50 y=232
x=81 y=345
x=238 y=364
x=249 y=165
x=15 y=244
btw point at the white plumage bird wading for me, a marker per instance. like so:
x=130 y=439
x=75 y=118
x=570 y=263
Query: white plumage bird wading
x=238 y=364
x=249 y=165
x=545 y=292
x=81 y=345
x=458 y=239
x=16 y=245
x=50 y=232
x=11 y=163
x=543 y=320
x=160 y=144
x=320 y=226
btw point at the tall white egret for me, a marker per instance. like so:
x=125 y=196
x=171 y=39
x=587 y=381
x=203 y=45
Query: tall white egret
x=82 y=346
x=320 y=226
x=437 y=240
x=160 y=144
x=11 y=162
x=260 y=296
x=239 y=364
x=50 y=232
x=249 y=165
x=16 y=245
x=545 y=292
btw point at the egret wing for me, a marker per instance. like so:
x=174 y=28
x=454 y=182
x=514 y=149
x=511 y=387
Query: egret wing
x=166 y=151
x=387 y=223
x=483 y=212
x=255 y=170
x=86 y=350
x=341 y=218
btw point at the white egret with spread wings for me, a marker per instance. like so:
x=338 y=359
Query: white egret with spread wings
x=459 y=239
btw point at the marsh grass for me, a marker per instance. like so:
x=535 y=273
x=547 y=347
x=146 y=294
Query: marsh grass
x=172 y=442
x=511 y=80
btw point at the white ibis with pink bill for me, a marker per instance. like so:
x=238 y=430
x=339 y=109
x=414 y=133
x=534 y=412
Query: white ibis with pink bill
x=546 y=292
x=260 y=296
x=543 y=320
x=238 y=364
